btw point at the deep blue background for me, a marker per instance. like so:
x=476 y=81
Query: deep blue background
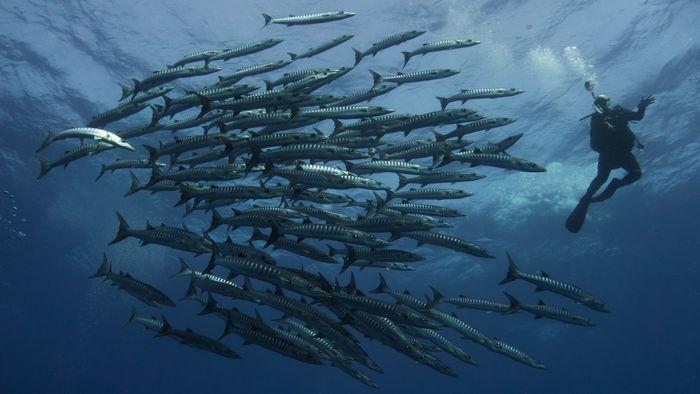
x=59 y=65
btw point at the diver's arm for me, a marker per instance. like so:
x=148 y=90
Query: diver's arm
x=641 y=109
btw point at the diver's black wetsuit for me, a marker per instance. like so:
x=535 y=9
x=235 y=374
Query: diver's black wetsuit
x=613 y=139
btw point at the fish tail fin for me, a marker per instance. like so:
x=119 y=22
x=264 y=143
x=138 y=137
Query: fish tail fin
x=257 y=235
x=215 y=221
x=268 y=84
x=443 y=102
x=514 y=304
x=381 y=286
x=512 y=271
x=184 y=269
x=185 y=196
x=358 y=56
x=123 y=230
x=46 y=142
x=45 y=167
x=126 y=91
x=437 y=296
x=406 y=58
x=438 y=137
x=332 y=251
x=268 y=19
x=376 y=78
x=347 y=262
x=274 y=234
x=152 y=153
x=132 y=317
x=379 y=201
x=136 y=185
x=212 y=263
x=103 y=169
x=403 y=181
x=104 y=268
x=136 y=89
x=209 y=307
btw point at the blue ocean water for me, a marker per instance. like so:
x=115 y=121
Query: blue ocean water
x=60 y=64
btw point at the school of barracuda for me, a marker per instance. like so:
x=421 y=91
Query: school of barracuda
x=250 y=137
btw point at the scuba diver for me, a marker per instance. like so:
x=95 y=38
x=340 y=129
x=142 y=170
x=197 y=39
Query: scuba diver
x=612 y=138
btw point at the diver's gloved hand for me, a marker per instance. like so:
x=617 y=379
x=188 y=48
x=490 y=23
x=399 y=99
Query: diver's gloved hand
x=646 y=101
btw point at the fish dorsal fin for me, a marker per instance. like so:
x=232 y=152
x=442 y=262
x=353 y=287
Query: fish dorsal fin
x=307 y=221
x=540 y=302
x=538 y=289
x=278 y=291
x=477 y=150
x=462 y=296
x=149 y=226
x=406 y=292
x=189 y=329
x=303 y=300
x=455 y=315
x=544 y=274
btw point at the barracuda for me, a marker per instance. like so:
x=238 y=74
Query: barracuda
x=250 y=252
x=172 y=237
x=326 y=232
x=472 y=94
x=322 y=152
x=181 y=145
x=192 y=121
x=270 y=99
x=148 y=294
x=462 y=301
x=122 y=164
x=197 y=158
x=81 y=151
x=344 y=112
x=196 y=340
x=246 y=49
x=213 y=284
x=147 y=95
x=274 y=343
x=379 y=166
x=337 y=358
x=308 y=19
x=375 y=255
x=219 y=173
x=435 y=118
x=251 y=71
x=162 y=186
x=393 y=225
x=468 y=332
x=243 y=220
x=448 y=241
x=119 y=112
x=89 y=133
x=387 y=42
x=198 y=56
x=543 y=281
x=354 y=142
x=308 y=176
x=415 y=76
x=190 y=100
x=379 y=307
x=241 y=193
x=402 y=146
x=480 y=125
x=447 y=346
x=419 y=209
x=428 y=194
x=324 y=214
x=248 y=119
x=372 y=123
x=265 y=272
x=541 y=310
x=300 y=248
x=313 y=51
x=140 y=130
x=403 y=298
x=515 y=354
x=430 y=221
x=438 y=177
x=435 y=149
x=167 y=75
x=442 y=45
x=367 y=94
x=294 y=76
x=494 y=160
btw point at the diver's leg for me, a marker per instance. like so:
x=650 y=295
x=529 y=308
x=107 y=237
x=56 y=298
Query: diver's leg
x=604 y=169
x=634 y=172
